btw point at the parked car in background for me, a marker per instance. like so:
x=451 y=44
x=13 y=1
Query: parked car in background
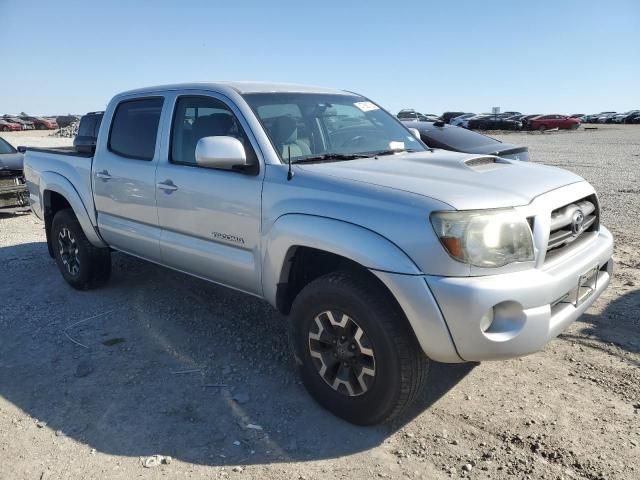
x=13 y=191
x=606 y=118
x=25 y=124
x=458 y=139
x=525 y=120
x=622 y=117
x=66 y=120
x=85 y=140
x=448 y=116
x=579 y=116
x=493 y=122
x=462 y=120
x=41 y=123
x=545 y=122
x=7 y=126
x=593 y=118
x=410 y=114
x=510 y=114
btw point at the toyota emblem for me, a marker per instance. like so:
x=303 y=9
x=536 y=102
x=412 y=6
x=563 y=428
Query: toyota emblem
x=577 y=222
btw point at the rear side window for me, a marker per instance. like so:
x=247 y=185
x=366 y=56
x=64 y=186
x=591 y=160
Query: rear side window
x=135 y=127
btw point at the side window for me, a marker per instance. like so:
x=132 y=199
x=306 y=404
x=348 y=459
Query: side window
x=135 y=127
x=198 y=117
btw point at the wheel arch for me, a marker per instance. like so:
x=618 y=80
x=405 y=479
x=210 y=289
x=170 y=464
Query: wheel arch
x=58 y=193
x=320 y=245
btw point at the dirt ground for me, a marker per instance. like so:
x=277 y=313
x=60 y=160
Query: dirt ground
x=92 y=383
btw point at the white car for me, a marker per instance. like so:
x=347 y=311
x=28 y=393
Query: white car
x=606 y=118
x=462 y=120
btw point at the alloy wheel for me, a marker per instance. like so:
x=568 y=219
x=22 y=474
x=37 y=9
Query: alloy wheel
x=69 y=251
x=342 y=353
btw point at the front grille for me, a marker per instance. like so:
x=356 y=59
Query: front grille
x=570 y=222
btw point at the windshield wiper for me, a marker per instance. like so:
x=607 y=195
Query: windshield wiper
x=391 y=152
x=328 y=157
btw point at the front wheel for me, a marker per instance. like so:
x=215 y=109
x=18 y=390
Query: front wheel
x=82 y=265
x=542 y=128
x=359 y=358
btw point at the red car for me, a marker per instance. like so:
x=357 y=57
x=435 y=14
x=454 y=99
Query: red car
x=6 y=126
x=41 y=123
x=544 y=122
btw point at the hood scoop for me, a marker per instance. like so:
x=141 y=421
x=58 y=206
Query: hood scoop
x=486 y=163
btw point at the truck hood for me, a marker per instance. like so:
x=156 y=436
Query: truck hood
x=465 y=182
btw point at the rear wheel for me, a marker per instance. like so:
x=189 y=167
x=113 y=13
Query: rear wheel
x=82 y=265
x=359 y=358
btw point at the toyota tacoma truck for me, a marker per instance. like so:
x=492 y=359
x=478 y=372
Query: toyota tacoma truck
x=382 y=254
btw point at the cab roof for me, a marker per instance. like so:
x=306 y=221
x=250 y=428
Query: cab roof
x=240 y=87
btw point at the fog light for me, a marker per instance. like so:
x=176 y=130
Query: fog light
x=486 y=320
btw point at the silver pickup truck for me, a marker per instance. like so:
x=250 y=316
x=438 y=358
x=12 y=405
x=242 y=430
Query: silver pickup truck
x=382 y=252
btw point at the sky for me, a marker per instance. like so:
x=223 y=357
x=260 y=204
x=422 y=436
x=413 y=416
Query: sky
x=545 y=56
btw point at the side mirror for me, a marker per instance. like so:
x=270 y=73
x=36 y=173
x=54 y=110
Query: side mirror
x=22 y=149
x=415 y=132
x=226 y=153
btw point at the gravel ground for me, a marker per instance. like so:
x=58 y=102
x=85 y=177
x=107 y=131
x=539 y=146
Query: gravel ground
x=93 y=383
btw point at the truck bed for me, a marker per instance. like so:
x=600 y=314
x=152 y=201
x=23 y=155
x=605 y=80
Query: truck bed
x=66 y=166
x=60 y=151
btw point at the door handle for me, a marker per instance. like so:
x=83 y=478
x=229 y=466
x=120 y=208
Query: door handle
x=167 y=186
x=104 y=175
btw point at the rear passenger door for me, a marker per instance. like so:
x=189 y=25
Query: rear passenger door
x=210 y=219
x=124 y=177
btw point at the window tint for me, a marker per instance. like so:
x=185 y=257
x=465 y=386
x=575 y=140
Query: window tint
x=198 y=117
x=87 y=126
x=135 y=127
x=5 y=147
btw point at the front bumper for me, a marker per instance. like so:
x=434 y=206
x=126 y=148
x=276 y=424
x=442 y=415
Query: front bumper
x=530 y=307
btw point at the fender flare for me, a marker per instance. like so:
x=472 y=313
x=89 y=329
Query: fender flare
x=357 y=243
x=54 y=182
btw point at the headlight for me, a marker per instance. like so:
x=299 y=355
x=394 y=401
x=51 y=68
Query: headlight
x=489 y=238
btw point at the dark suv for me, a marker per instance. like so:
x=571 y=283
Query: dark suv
x=85 y=141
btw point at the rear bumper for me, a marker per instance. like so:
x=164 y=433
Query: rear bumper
x=529 y=307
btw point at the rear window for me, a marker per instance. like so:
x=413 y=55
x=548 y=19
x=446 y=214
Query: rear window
x=455 y=137
x=5 y=147
x=87 y=126
x=135 y=127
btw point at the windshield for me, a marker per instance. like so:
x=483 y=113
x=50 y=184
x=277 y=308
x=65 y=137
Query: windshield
x=313 y=124
x=5 y=147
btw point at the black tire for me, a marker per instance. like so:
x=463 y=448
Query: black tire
x=399 y=364
x=542 y=128
x=82 y=265
x=5 y=128
x=482 y=126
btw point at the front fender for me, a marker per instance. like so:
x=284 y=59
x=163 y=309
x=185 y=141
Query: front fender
x=351 y=241
x=54 y=182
